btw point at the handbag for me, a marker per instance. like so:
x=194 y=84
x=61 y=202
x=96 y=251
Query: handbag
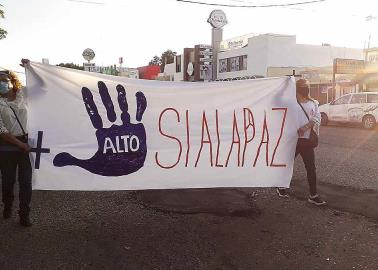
x=313 y=141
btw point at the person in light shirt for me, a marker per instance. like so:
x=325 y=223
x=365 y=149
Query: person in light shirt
x=13 y=136
x=303 y=148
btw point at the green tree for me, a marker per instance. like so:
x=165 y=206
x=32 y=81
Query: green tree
x=167 y=57
x=156 y=61
x=3 y=33
x=71 y=65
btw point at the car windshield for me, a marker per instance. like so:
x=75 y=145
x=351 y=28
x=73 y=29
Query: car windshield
x=342 y=100
x=358 y=98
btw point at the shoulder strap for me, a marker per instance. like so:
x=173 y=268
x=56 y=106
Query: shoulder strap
x=303 y=110
x=18 y=120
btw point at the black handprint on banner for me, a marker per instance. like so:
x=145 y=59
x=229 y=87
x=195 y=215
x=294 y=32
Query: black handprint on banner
x=121 y=149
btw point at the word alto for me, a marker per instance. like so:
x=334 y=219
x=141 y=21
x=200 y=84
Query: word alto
x=121 y=144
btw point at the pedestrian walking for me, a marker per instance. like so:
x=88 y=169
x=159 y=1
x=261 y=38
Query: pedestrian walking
x=309 y=119
x=13 y=133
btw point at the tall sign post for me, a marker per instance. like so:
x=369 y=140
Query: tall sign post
x=88 y=54
x=217 y=19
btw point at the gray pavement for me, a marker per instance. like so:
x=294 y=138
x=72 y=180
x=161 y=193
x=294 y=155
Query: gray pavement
x=114 y=230
x=346 y=156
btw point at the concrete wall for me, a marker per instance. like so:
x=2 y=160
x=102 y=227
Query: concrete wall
x=170 y=69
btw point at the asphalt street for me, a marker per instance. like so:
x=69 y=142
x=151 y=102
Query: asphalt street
x=346 y=156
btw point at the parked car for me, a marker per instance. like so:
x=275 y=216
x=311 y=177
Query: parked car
x=352 y=108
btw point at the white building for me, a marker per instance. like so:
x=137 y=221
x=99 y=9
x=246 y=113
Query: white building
x=131 y=73
x=267 y=55
x=254 y=56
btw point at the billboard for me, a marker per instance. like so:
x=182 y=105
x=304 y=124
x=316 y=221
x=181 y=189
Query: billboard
x=348 y=66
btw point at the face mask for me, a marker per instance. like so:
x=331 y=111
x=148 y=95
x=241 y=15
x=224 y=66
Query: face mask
x=4 y=87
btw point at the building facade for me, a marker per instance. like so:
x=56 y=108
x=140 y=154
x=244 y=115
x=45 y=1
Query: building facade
x=248 y=57
x=258 y=55
x=148 y=72
x=193 y=65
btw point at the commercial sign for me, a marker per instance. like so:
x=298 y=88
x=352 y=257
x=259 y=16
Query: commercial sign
x=235 y=43
x=348 y=66
x=88 y=54
x=204 y=46
x=217 y=18
x=206 y=59
x=206 y=53
x=372 y=56
x=91 y=67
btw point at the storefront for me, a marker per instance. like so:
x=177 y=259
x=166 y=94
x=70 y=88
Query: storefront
x=257 y=55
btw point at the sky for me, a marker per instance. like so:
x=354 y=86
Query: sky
x=139 y=29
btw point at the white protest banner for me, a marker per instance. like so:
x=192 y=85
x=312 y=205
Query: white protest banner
x=98 y=132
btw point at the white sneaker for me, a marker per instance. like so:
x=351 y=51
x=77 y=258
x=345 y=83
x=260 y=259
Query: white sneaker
x=316 y=200
x=282 y=193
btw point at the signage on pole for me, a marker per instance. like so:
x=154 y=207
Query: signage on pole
x=88 y=54
x=204 y=46
x=206 y=53
x=90 y=67
x=206 y=59
x=348 y=66
x=217 y=18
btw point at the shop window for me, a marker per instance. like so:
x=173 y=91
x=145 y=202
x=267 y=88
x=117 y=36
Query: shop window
x=234 y=64
x=222 y=65
x=245 y=62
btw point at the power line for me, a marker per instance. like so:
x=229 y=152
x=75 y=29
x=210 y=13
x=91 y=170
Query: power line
x=252 y=6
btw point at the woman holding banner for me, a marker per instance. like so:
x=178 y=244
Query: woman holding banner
x=309 y=120
x=14 y=148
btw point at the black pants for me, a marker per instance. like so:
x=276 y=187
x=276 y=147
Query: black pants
x=308 y=155
x=9 y=162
